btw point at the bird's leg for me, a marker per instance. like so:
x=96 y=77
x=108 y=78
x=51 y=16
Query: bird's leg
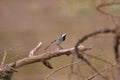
x=59 y=46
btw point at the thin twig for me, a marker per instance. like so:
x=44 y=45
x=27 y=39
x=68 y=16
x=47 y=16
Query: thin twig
x=79 y=73
x=52 y=73
x=109 y=68
x=99 y=8
x=99 y=59
x=71 y=68
x=4 y=57
x=35 y=49
x=113 y=75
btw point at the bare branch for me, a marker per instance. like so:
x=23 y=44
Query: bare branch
x=117 y=43
x=35 y=49
x=105 y=61
x=109 y=68
x=53 y=72
x=45 y=56
x=99 y=8
x=4 y=57
x=117 y=30
x=91 y=35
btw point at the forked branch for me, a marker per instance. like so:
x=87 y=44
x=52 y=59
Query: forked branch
x=4 y=69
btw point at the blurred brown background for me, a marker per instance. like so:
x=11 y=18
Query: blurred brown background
x=23 y=23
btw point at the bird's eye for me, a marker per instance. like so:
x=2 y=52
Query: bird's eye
x=64 y=37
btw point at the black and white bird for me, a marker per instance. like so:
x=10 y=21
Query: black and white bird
x=58 y=41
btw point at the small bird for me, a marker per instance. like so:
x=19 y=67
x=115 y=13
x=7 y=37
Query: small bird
x=58 y=41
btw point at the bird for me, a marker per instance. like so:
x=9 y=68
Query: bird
x=58 y=41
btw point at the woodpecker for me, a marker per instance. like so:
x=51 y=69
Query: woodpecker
x=58 y=41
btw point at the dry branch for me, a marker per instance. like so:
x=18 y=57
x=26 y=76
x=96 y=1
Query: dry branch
x=67 y=65
x=116 y=43
x=117 y=27
x=116 y=31
x=84 y=38
x=35 y=49
x=4 y=57
x=45 y=56
x=103 y=5
x=33 y=59
x=109 y=68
